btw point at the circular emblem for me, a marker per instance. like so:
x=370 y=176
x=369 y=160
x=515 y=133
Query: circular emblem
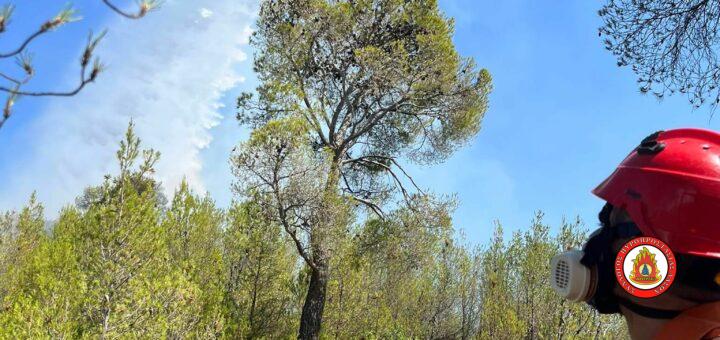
x=645 y=267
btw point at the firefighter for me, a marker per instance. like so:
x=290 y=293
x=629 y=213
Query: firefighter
x=663 y=210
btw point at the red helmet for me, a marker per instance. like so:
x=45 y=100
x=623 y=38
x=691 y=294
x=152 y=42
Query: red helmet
x=670 y=187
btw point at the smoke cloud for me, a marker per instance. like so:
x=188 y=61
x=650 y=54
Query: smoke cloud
x=168 y=73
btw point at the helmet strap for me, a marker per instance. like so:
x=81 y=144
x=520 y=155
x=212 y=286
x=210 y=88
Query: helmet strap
x=648 y=312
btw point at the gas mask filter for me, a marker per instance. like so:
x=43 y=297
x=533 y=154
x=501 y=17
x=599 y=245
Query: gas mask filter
x=570 y=278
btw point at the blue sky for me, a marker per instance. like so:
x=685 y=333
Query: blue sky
x=561 y=117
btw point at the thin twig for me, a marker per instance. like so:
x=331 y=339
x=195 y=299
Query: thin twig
x=145 y=7
x=24 y=45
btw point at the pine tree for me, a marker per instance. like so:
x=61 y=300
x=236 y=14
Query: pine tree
x=193 y=227
x=348 y=91
x=261 y=270
x=132 y=289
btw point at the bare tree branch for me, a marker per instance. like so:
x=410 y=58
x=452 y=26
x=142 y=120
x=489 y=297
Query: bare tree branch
x=88 y=72
x=145 y=7
x=24 y=45
x=374 y=207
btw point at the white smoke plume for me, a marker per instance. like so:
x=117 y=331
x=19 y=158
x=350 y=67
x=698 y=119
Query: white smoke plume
x=167 y=72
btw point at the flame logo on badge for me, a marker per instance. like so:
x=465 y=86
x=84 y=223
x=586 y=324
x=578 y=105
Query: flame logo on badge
x=645 y=270
x=645 y=267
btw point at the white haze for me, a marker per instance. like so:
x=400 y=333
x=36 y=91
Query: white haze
x=167 y=72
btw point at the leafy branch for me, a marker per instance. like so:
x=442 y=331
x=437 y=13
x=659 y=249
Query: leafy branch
x=670 y=45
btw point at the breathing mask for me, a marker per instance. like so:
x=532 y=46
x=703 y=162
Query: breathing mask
x=588 y=274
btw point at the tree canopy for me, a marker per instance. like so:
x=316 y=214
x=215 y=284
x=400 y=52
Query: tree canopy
x=671 y=45
x=348 y=90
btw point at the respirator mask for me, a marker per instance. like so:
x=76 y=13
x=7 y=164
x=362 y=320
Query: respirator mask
x=589 y=274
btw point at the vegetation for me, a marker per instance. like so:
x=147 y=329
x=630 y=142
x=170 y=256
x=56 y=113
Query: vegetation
x=121 y=263
x=671 y=45
x=349 y=90
x=330 y=236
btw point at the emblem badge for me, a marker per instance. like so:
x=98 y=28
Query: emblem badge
x=645 y=267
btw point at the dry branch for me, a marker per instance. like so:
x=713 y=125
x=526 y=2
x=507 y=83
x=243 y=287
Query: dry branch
x=90 y=66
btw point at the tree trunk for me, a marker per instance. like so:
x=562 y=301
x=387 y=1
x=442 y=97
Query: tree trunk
x=312 y=312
